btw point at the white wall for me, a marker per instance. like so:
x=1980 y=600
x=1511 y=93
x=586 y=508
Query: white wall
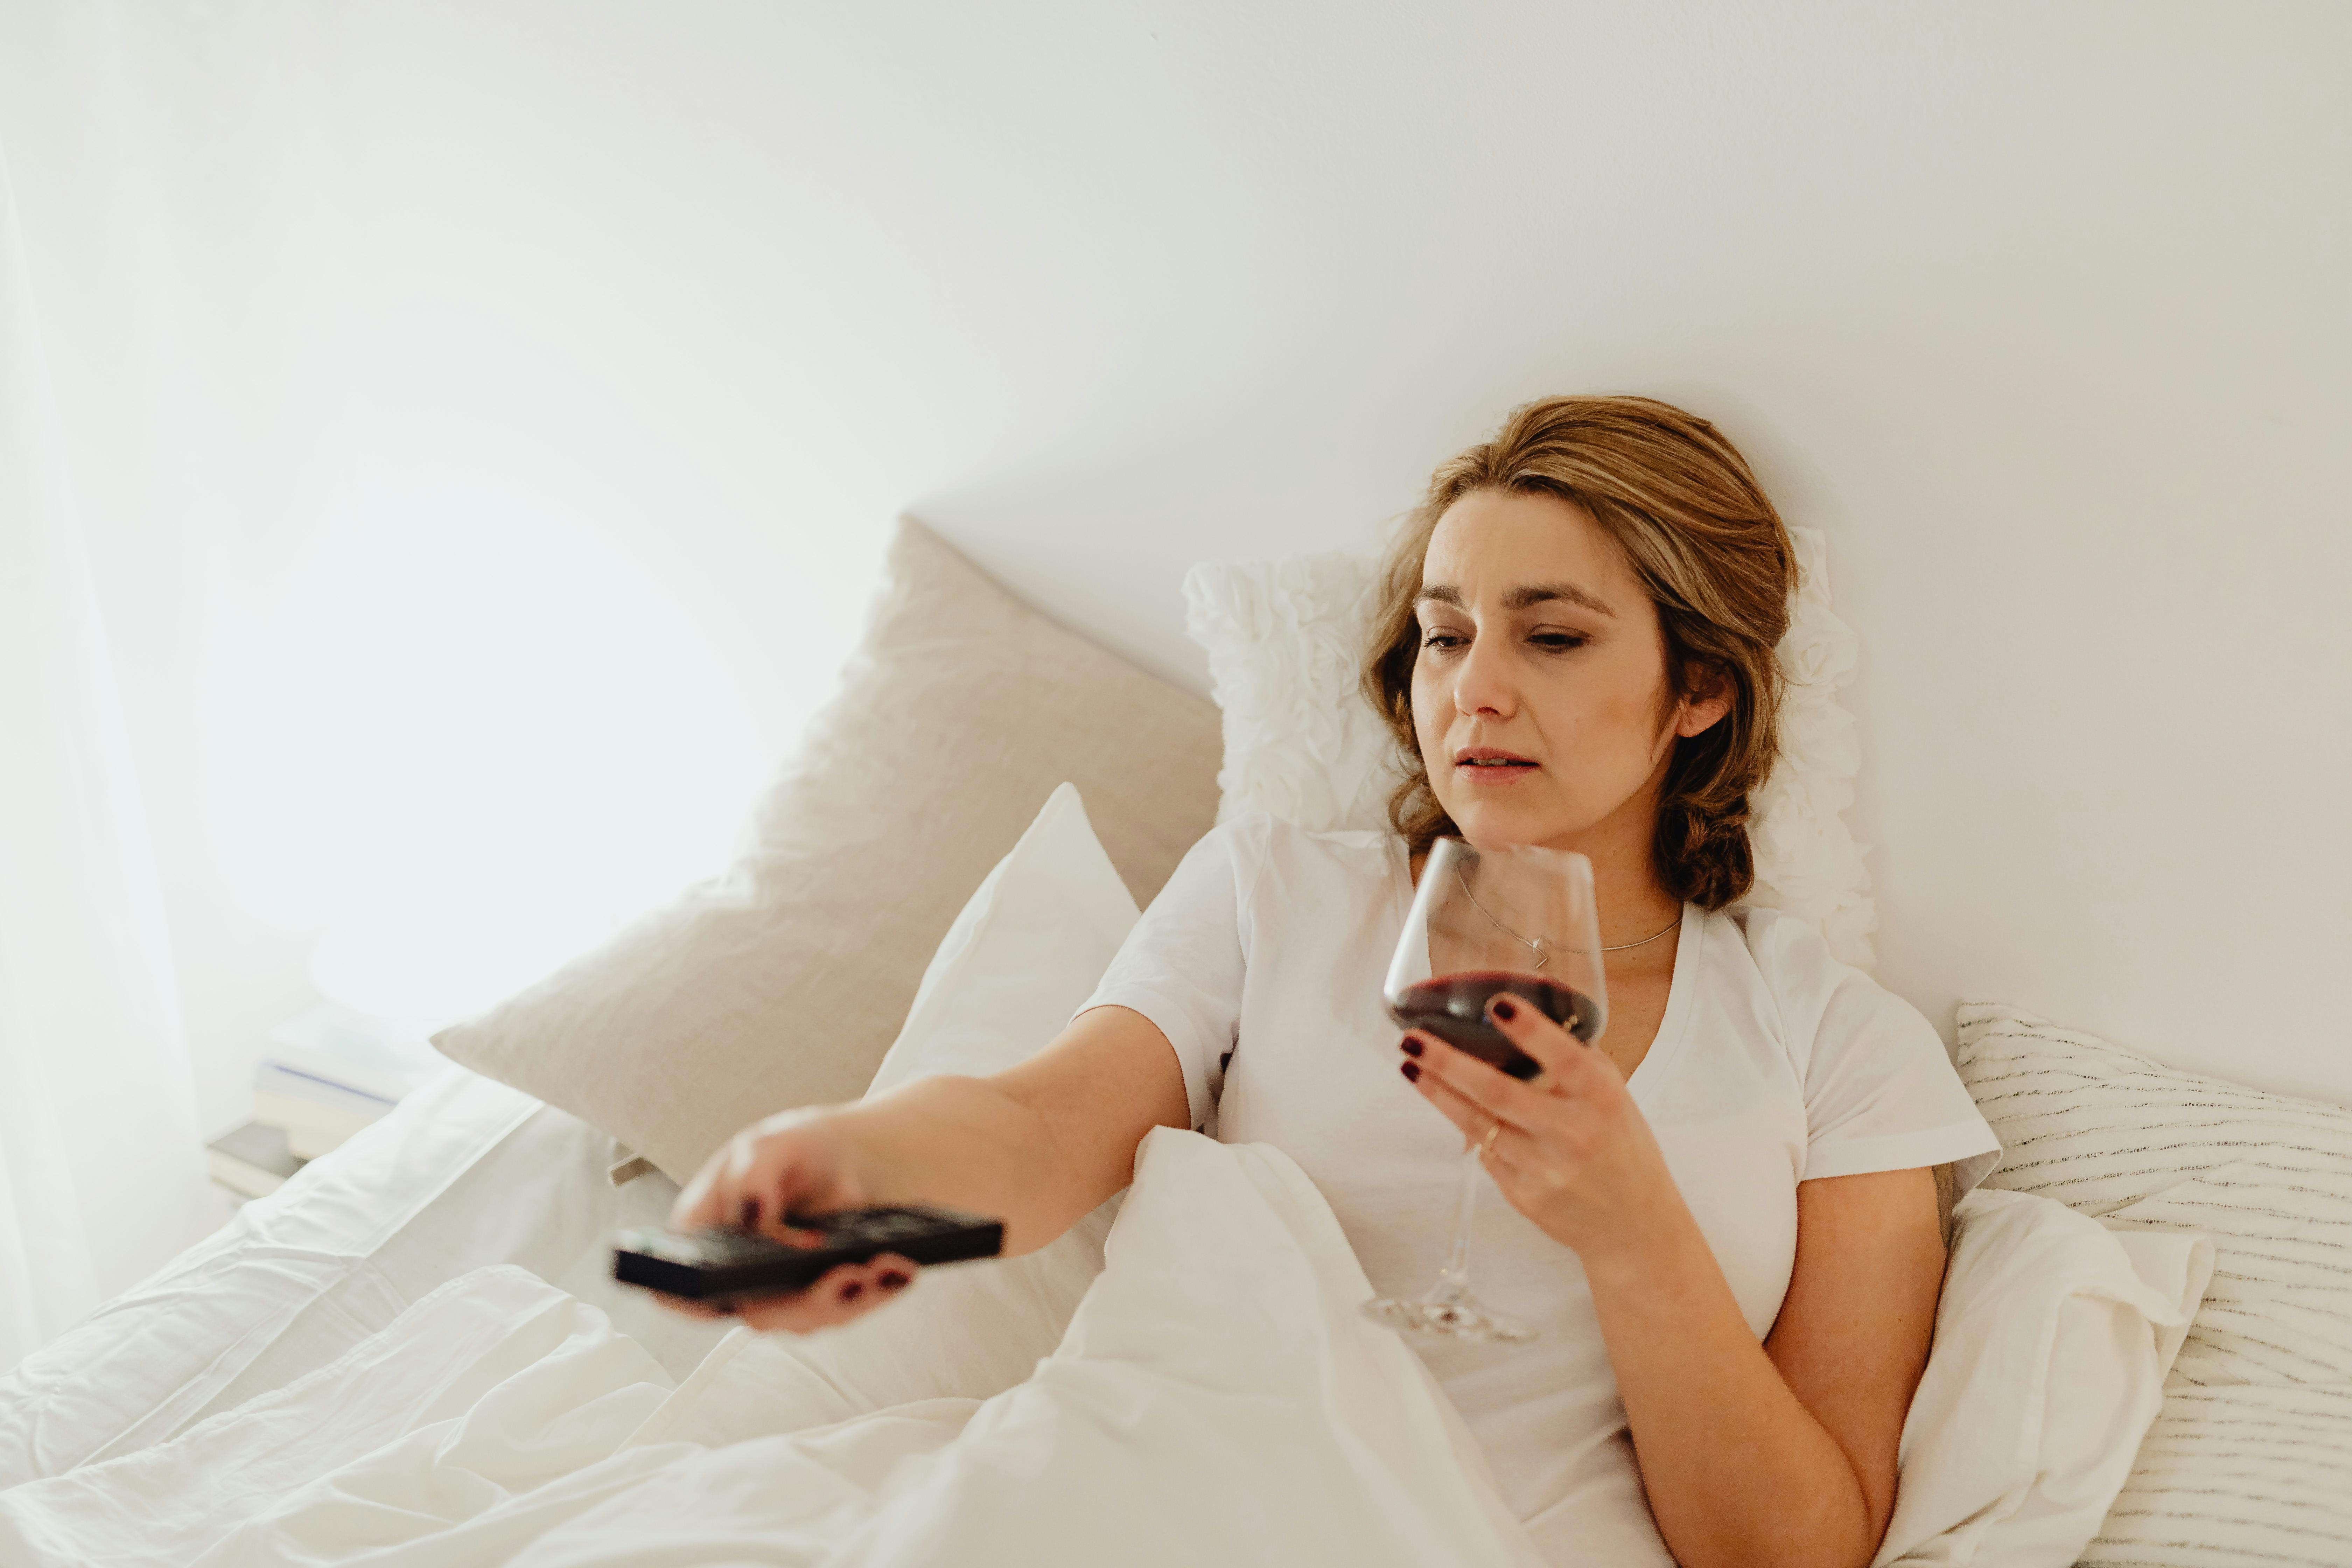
x=2039 y=310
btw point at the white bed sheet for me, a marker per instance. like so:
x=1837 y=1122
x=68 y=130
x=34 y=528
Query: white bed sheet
x=1217 y=1398
x=464 y=1174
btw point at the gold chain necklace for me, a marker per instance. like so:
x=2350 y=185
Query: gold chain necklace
x=1535 y=944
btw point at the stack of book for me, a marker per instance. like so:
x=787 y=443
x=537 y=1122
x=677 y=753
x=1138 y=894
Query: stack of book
x=329 y=1072
x=318 y=1099
x=252 y=1161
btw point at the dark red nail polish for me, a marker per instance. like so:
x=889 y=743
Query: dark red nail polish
x=892 y=1280
x=1410 y=1046
x=851 y=1291
x=1411 y=1072
x=1505 y=1008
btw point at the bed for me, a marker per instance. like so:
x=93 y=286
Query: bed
x=466 y=1171
x=413 y=1350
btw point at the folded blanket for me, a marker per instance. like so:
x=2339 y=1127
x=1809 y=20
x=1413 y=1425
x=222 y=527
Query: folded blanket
x=1217 y=1398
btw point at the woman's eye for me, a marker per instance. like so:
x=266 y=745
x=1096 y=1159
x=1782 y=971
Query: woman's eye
x=1440 y=639
x=1559 y=642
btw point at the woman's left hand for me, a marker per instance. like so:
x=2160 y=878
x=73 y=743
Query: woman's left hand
x=1574 y=1152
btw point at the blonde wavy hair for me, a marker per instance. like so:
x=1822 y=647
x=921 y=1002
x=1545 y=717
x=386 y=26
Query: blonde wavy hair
x=1704 y=542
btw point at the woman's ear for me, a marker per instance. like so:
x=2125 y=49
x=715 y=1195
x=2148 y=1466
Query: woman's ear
x=1709 y=701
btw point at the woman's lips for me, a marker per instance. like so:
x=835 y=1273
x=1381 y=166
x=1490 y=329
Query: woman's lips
x=1492 y=773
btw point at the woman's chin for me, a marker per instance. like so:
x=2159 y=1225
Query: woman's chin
x=1485 y=820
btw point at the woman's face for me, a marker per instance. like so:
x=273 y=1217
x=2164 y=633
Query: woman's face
x=1540 y=695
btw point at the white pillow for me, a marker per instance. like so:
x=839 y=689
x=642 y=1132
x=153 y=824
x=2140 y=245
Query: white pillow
x=780 y=983
x=2052 y=1343
x=1286 y=641
x=1024 y=953
x=1043 y=927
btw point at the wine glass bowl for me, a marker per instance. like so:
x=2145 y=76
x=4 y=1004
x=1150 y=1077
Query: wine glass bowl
x=1518 y=918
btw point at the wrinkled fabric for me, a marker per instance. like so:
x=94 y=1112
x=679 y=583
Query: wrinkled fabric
x=1216 y=1398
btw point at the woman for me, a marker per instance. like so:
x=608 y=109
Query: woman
x=1724 y=1220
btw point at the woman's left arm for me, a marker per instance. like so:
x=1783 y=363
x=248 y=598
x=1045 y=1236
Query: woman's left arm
x=1782 y=1452
x=1753 y=1454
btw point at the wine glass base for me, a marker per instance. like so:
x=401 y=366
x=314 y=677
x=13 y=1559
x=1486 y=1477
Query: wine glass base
x=1448 y=1319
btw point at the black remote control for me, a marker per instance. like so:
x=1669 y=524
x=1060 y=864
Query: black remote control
x=726 y=1262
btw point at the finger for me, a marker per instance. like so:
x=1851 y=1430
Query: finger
x=1505 y=1156
x=1494 y=1092
x=1466 y=1117
x=755 y=1182
x=892 y=1273
x=684 y=1212
x=1501 y=1157
x=844 y=1291
x=790 y=1315
x=1560 y=1054
x=749 y=1180
x=711 y=1198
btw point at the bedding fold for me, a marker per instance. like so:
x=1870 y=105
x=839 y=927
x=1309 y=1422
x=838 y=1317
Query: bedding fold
x=1217 y=1397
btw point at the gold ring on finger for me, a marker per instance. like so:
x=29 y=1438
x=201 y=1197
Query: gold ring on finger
x=1487 y=1144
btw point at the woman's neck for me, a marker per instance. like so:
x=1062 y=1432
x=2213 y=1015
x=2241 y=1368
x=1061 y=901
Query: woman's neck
x=1632 y=903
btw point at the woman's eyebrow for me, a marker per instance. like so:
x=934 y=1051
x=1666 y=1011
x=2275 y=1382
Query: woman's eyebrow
x=1539 y=593
x=1521 y=598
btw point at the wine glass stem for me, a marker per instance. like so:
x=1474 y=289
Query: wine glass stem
x=1453 y=1280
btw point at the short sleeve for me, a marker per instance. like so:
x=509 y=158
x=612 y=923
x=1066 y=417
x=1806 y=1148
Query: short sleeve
x=1182 y=966
x=1881 y=1094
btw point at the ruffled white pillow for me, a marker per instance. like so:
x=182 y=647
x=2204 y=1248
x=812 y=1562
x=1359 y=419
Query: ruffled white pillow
x=1285 y=640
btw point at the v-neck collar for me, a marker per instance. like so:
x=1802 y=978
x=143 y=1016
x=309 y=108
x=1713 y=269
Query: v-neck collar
x=1681 y=989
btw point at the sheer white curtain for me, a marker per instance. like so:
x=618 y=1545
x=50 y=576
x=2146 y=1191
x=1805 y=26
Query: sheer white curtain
x=101 y=1172
x=466 y=519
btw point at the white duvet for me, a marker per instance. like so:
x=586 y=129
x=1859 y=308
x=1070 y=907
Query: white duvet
x=1216 y=1398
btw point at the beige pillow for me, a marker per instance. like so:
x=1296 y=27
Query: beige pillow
x=782 y=982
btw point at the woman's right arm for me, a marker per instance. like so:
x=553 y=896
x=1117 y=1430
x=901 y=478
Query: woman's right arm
x=1038 y=1146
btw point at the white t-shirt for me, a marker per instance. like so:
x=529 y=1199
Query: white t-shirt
x=1262 y=961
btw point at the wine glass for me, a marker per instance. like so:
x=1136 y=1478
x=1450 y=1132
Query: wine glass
x=1514 y=918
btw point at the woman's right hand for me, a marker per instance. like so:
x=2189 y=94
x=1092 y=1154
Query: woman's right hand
x=795 y=1161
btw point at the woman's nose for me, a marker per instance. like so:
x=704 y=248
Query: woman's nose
x=1483 y=684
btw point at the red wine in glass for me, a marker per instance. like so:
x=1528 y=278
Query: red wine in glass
x=1453 y=1008
x=1518 y=917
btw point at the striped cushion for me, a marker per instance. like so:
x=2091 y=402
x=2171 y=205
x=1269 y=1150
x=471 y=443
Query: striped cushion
x=2097 y=1127
x=2268 y=1177
x=2250 y=1461
x=2234 y=1476
x=2279 y=1310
